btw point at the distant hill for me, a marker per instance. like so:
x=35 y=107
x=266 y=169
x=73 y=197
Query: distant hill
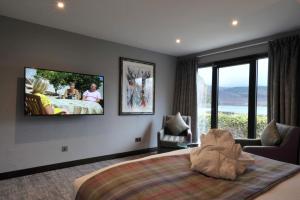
x=238 y=96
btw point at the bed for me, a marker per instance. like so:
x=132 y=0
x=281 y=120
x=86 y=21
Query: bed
x=284 y=186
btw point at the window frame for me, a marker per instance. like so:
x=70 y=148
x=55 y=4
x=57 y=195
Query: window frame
x=252 y=60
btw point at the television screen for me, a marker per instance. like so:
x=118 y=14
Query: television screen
x=49 y=92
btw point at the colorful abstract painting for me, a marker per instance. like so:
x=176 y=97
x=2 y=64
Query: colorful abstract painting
x=137 y=88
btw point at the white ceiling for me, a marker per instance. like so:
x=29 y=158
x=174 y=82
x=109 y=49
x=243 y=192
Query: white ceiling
x=155 y=24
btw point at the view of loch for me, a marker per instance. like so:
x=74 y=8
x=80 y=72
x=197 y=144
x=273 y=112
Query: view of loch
x=261 y=110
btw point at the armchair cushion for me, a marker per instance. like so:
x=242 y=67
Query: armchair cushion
x=270 y=135
x=176 y=125
x=171 y=141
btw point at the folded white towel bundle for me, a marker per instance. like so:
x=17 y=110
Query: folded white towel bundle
x=219 y=156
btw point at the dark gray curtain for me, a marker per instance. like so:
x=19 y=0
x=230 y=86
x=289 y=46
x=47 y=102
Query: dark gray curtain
x=284 y=81
x=185 y=96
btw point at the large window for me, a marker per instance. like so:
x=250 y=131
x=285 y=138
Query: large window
x=233 y=95
x=204 y=82
x=262 y=95
x=233 y=99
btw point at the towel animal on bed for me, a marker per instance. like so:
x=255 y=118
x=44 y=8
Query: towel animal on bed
x=219 y=156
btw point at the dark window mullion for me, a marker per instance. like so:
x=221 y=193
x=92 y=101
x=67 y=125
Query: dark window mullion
x=252 y=99
x=214 y=97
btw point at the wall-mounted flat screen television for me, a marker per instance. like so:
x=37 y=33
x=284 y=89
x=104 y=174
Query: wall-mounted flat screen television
x=50 y=92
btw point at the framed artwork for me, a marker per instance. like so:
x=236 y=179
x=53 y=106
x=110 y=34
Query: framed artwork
x=137 y=87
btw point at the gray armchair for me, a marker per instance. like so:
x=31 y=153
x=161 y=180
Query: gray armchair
x=288 y=150
x=167 y=141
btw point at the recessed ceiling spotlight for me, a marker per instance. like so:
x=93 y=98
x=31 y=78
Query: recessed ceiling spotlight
x=234 y=22
x=178 y=41
x=60 y=4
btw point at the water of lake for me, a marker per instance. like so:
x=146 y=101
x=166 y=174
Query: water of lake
x=237 y=109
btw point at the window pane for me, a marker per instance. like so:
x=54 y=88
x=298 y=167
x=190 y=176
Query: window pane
x=204 y=82
x=262 y=95
x=233 y=99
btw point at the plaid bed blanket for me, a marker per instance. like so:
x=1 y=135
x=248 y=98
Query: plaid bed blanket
x=170 y=178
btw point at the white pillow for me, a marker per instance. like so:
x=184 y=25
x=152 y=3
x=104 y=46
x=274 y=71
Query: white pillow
x=270 y=135
x=176 y=125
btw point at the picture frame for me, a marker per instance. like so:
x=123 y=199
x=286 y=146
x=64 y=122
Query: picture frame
x=137 y=87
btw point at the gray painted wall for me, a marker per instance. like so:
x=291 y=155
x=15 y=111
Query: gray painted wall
x=34 y=141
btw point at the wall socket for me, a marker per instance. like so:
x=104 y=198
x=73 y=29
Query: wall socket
x=138 y=139
x=64 y=148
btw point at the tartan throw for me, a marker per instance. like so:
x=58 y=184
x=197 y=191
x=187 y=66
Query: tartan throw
x=170 y=178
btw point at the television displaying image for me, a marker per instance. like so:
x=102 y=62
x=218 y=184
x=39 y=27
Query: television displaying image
x=49 y=92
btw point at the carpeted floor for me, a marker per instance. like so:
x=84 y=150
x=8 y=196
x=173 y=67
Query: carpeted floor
x=52 y=185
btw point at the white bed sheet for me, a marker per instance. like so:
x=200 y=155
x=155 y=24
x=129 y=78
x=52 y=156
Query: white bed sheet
x=287 y=190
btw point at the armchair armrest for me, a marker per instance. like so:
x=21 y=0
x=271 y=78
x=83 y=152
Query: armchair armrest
x=272 y=152
x=261 y=150
x=189 y=135
x=248 y=142
x=160 y=135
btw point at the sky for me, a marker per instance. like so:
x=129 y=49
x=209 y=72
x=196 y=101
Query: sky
x=31 y=72
x=238 y=75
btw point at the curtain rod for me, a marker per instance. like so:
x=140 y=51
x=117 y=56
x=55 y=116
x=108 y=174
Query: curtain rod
x=233 y=49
